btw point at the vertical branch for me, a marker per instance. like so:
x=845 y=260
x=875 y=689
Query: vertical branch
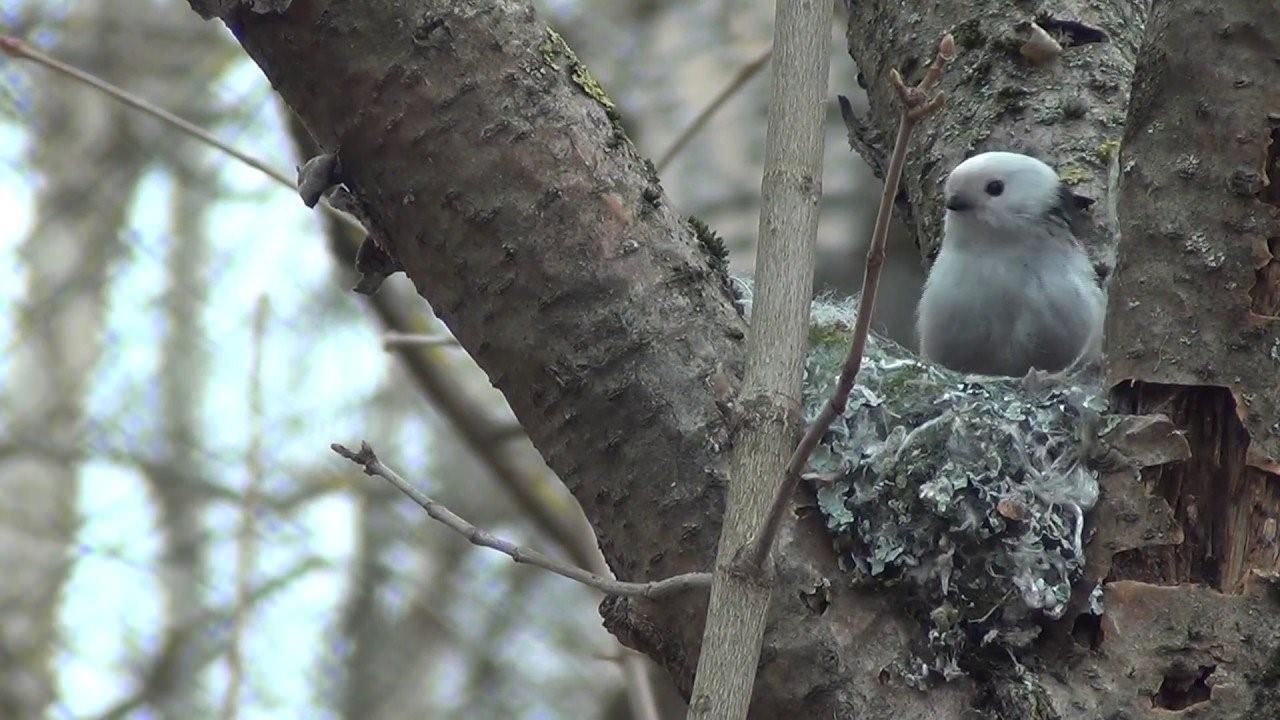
x=792 y=187
x=640 y=695
x=916 y=105
x=245 y=540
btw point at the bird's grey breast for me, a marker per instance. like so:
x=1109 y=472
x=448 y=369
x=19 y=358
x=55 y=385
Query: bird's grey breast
x=1003 y=309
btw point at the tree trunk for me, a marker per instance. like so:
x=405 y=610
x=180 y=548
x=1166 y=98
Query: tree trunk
x=1193 y=332
x=494 y=167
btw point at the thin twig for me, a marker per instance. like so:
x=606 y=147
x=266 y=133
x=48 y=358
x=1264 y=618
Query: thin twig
x=916 y=105
x=483 y=538
x=745 y=73
x=393 y=339
x=16 y=48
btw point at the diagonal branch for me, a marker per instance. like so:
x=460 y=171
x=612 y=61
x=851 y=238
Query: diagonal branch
x=483 y=538
x=745 y=73
x=16 y=48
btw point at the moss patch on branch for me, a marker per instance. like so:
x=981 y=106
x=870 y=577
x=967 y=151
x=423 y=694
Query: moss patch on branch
x=557 y=53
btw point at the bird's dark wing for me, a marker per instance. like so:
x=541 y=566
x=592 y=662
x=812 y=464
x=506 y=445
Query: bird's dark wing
x=1070 y=208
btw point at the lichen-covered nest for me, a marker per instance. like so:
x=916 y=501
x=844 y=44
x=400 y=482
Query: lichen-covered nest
x=965 y=494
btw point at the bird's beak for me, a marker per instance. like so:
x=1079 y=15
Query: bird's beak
x=958 y=203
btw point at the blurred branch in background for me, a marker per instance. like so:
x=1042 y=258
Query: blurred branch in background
x=739 y=80
x=70 y=252
x=245 y=540
x=168 y=668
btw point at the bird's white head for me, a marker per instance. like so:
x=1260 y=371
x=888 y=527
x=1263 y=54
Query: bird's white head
x=1000 y=193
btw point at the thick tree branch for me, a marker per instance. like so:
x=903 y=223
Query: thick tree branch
x=439 y=385
x=585 y=297
x=489 y=161
x=1200 y=240
x=483 y=538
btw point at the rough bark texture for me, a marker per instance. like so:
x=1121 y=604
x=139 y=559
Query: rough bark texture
x=490 y=162
x=771 y=387
x=1190 y=332
x=545 y=242
x=1069 y=112
x=1191 y=327
x=1188 y=335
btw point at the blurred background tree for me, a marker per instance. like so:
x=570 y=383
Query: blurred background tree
x=176 y=541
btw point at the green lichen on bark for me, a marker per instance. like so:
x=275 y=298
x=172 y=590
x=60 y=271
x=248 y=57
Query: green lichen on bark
x=1073 y=174
x=1108 y=149
x=557 y=53
x=966 y=495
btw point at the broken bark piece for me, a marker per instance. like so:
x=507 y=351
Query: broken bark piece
x=317 y=175
x=374 y=265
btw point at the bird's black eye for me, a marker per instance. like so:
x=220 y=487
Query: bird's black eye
x=994 y=188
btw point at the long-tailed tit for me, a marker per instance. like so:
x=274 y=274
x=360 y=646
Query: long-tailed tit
x=1012 y=288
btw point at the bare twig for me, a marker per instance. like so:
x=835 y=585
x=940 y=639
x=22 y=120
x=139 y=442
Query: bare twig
x=16 y=48
x=917 y=104
x=483 y=538
x=745 y=73
x=393 y=339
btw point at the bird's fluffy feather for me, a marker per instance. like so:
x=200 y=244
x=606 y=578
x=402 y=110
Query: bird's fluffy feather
x=1012 y=288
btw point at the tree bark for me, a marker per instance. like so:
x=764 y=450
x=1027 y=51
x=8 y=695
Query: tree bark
x=1192 y=332
x=491 y=163
x=544 y=241
x=1069 y=112
x=771 y=389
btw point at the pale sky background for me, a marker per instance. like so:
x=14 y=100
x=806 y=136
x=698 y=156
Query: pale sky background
x=322 y=365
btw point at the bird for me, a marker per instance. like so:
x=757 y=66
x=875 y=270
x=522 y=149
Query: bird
x=1012 y=288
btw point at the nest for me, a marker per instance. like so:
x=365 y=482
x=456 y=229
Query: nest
x=967 y=495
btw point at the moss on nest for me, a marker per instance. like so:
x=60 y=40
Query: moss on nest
x=966 y=495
